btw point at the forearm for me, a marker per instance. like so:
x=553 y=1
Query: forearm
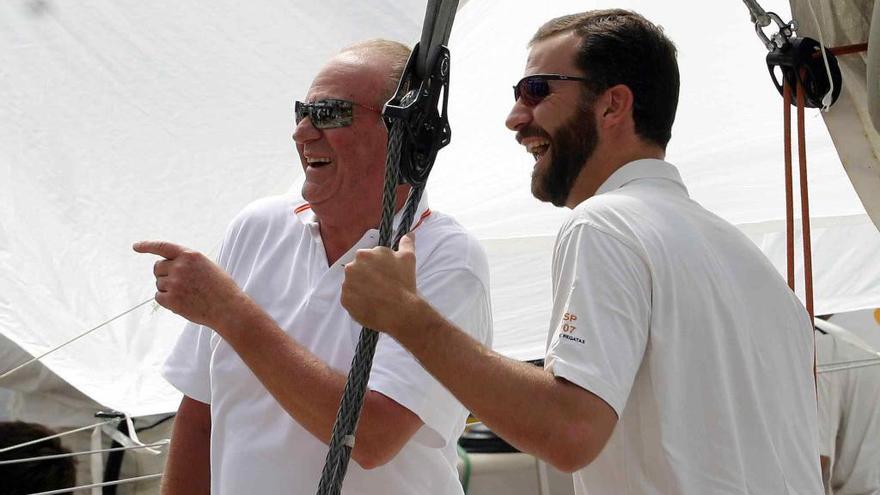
x=307 y=388
x=524 y=404
x=188 y=467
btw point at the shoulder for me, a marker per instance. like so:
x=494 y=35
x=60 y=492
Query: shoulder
x=620 y=206
x=265 y=212
x=444 y=244
x=270 y=208
x=273 y=216
x=615 y=215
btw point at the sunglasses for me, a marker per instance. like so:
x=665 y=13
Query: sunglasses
x=532 y=89
x=329 y=113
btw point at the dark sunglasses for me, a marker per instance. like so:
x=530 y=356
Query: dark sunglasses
x=329 y=113
x=532 y=89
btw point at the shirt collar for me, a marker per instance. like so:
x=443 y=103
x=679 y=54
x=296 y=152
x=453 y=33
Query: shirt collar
x=646 y=168
x=303 y=212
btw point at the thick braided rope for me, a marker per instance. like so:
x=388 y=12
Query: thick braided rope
x=342 y=438
x=409 y=214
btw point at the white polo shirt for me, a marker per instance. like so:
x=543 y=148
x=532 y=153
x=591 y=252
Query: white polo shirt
x=274 y=252
x=676 y=320
x=849 y=419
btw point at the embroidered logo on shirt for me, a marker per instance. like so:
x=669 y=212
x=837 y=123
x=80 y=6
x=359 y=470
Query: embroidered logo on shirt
x=568 y=328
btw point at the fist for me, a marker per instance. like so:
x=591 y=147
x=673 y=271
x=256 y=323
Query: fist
x=379 y=285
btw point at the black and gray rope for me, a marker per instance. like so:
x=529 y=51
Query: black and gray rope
x=342 y=438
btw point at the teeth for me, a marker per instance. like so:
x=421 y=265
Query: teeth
x=537 y=148
x=317 y=160
x=533 y=147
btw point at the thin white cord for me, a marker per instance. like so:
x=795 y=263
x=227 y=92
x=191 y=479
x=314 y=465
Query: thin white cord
x=50 y=351
x=106 y=483
x=57 y=435
x=127 y=439
x=829 y=96
x=159 y=444
x=847 y=365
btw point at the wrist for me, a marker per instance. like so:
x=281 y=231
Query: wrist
x=414 y=318
x=239 y=315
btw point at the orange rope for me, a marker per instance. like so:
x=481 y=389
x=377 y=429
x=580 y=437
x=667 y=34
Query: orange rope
x=789 y=201
x=845 y=50
x=805 y=203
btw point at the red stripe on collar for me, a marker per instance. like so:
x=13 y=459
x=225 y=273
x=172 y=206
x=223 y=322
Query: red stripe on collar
x=425 y=215
x=301 y=208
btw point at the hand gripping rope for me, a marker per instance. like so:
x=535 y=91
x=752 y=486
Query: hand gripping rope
x=417 y=130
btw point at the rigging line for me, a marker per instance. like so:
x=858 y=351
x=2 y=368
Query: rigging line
x=160 y=443
x=846 y=49
x=827 y=99
x=57 y=435
x=848 y=365
x=98 y=485
x=50 y=351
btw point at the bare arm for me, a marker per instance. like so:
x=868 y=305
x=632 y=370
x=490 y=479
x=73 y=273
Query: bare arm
x=549 y=417
x=314 y=397
x=197 y=289
x=188 y=468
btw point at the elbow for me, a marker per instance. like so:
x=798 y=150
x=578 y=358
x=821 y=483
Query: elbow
x=570 y=461
x=577 y=447
x=369 y=462
x=384 y=429
x=370 y=455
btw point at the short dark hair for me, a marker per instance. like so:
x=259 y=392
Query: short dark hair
x=622 y=47
x=35 y=476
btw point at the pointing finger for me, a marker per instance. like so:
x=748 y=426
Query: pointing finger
x=164 y=249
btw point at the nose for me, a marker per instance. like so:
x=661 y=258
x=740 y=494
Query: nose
x=520 y=115
x=305 y=132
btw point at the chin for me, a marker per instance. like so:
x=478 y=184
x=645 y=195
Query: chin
x=542 y=193
x=539 y=193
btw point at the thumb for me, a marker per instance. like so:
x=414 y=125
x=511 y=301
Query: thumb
x=407 y=244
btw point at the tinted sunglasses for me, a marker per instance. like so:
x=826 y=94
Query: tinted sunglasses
x=532 y=89
x=329 y=113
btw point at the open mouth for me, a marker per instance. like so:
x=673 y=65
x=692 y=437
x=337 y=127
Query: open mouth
x=317 y=162
x=538 y=148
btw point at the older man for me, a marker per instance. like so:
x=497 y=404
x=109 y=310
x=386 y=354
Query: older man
x=263 y=363
x=678 y=361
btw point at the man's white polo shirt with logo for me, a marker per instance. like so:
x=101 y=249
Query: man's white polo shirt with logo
x=675 y=319
x=274 y=252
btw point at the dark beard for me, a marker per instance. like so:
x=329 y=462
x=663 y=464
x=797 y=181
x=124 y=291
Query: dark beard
x=572 y=145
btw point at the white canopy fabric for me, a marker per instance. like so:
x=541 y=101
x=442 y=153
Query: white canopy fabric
x=855 y=119
x=129 y=120
x=121 y=121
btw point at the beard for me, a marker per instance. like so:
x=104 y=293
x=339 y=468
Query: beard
x=571 y=146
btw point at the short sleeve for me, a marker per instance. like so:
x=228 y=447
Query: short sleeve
x=461 y=297
x=188 y=366
x=601 y=313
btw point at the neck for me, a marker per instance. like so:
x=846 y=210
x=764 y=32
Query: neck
x=339 y=234
x=606 y=160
